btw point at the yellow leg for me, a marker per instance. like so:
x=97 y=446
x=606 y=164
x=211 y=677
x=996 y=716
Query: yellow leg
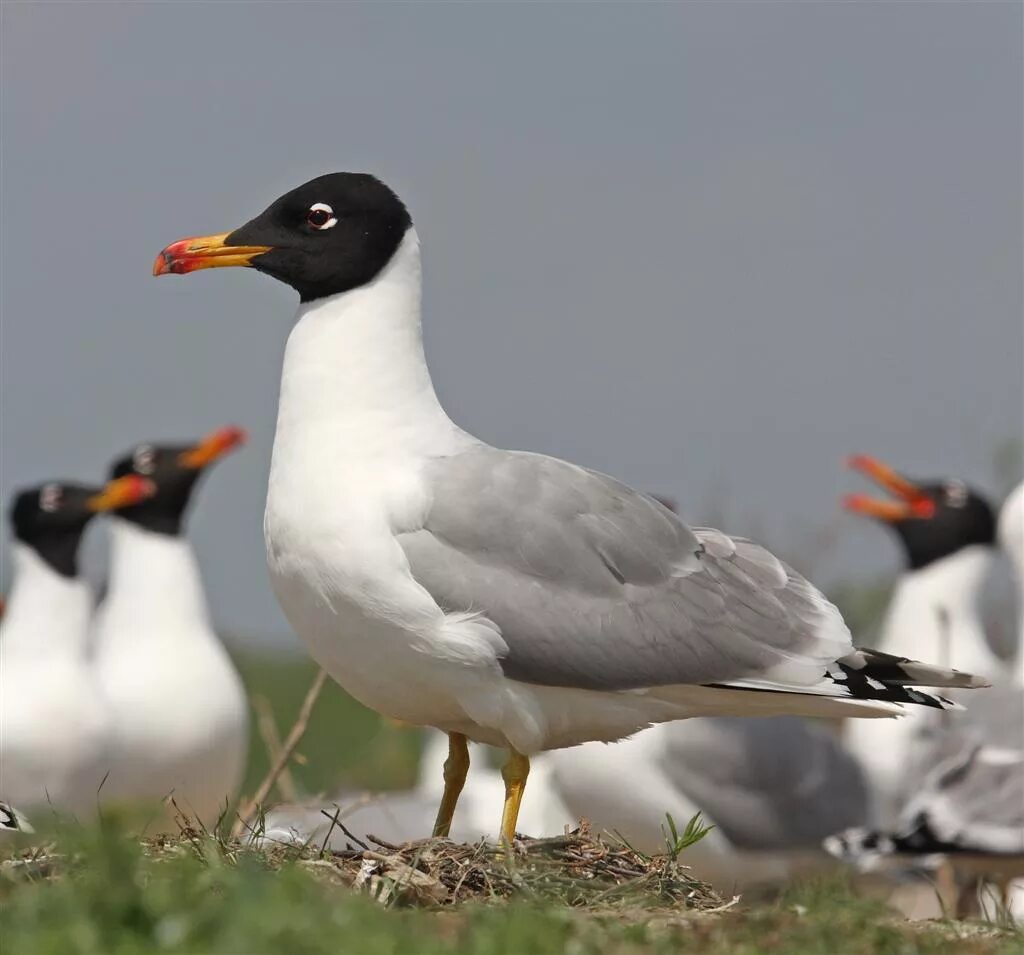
x=514 y=772
x=455 y=768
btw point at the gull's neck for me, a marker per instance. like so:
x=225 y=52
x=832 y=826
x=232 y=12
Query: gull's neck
x=154 y=584
x=935 y=613
x=47 y=613
x=1011 y=535
x=355 y=388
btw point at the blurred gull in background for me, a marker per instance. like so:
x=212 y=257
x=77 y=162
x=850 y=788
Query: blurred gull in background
x=54 y=723
x=947 y=534
x=179 y=708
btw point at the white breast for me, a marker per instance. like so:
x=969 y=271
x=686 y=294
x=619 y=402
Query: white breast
x=181 y=717
x=54 y=726
x=935 y=614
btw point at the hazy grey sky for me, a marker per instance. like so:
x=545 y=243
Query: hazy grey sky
x=708 y=248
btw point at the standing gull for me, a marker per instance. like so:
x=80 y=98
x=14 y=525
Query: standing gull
x=967 y=810
x=947 y=533
x=510 y=598
x=180 y=712
x=54 y=726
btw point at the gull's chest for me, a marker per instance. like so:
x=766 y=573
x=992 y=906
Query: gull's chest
x=331 y=531
x=344 y=584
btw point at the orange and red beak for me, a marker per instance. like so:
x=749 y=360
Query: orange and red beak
x=204 y=252
x=908 y=501
x=215 y=445
x=122 y=492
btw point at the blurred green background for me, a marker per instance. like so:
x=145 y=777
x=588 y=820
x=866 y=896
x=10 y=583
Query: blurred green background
x=346 y=746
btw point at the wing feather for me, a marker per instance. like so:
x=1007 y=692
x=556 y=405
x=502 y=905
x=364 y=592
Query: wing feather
x=595 y=585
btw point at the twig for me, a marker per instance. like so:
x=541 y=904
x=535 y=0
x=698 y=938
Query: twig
x=267 y=726
x=348 y=834
x=722 y=908
x=294 y=736
x=382 y=842
x=330 y=829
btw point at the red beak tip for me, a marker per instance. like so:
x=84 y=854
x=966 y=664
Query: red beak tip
x=142 y=487
x=235 y=435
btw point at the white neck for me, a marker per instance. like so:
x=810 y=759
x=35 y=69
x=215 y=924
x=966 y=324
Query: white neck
x=1011 y=533
x=154 y=583
x=46 y=613
x=935 y=613
x=355 y=388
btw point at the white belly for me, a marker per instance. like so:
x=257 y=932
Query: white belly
x=378 y=663
x=54 y=736
x=193 y=753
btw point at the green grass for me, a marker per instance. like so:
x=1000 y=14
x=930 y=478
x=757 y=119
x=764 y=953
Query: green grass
x=345 y=746
x=106 y=896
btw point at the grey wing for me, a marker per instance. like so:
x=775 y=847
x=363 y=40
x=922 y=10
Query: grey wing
x=973 y=801
x=595 y=585
x=769 y=784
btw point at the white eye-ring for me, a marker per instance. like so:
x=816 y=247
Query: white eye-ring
x=321 y=216
x=956 y=493
x=49 y=498
x=144 y=460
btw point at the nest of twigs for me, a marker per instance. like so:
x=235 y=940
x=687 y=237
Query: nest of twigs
x=579 y=869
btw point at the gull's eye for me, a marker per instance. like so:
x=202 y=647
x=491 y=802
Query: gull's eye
x=321 y=216
x=956 y=494
x=50 y=498
x=144 y=460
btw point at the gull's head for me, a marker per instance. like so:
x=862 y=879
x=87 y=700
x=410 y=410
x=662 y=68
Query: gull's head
x=933 y=518
x=51 y=518
x=173 y=470
x=330 y=235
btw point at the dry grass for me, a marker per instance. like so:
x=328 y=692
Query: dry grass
x=580 y=870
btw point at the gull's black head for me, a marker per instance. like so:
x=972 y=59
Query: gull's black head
x=932 y=519
x=330 y=235
x=174 y=470
x=51 y=518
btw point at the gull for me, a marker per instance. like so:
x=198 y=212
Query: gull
x=966 y=811
x=947 y=534
x=54 y=724
x=772 y=789
x=180 y=716
x=503 y=597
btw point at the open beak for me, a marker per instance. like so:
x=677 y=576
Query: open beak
x=212 y=447
x=122 y=492
x=204 y=252
x=908 y=500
